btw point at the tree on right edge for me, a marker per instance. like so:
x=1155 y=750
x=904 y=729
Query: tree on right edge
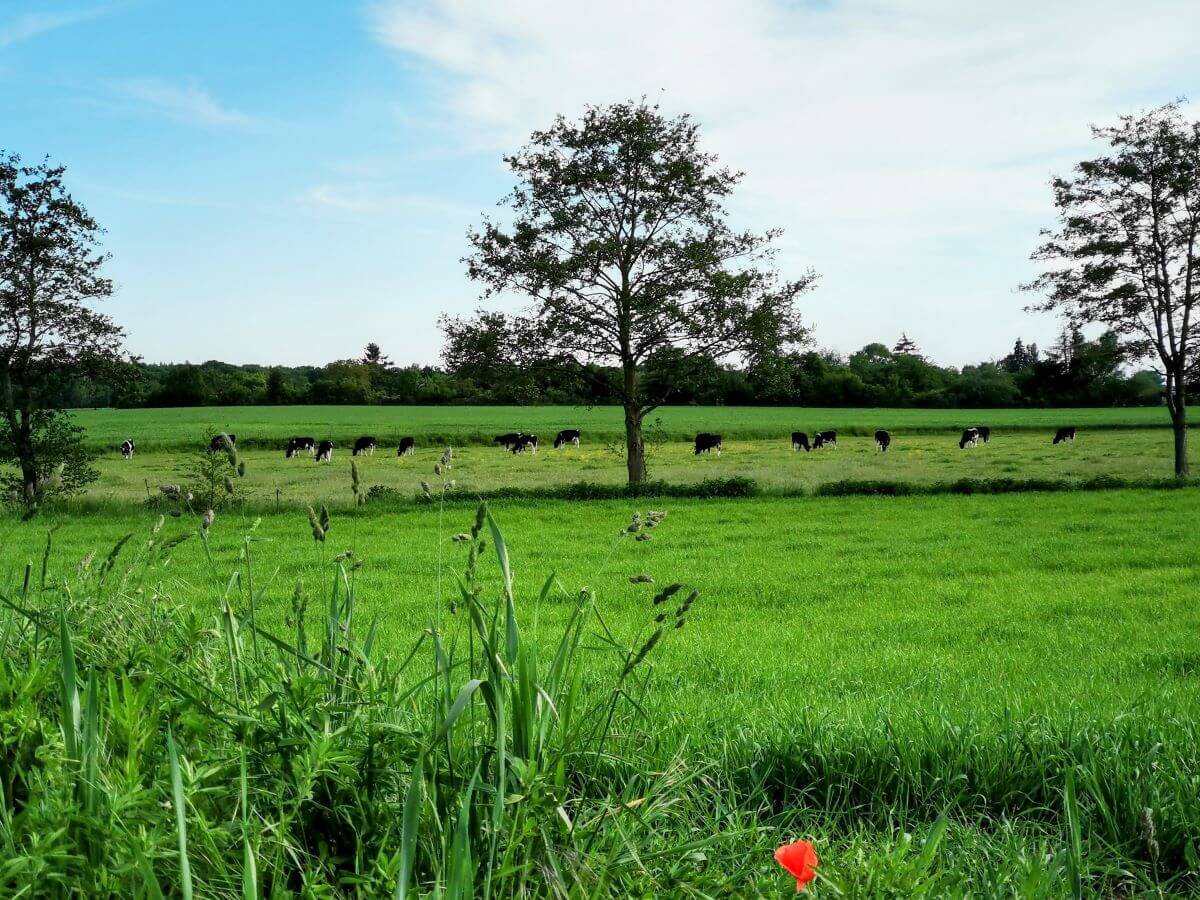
x=1125 y=254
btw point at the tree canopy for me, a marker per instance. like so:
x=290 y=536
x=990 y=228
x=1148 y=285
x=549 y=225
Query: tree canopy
x=1125 y=253
x=618 y=234
x=51 y=271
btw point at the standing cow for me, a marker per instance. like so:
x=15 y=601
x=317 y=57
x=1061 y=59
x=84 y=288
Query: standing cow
x=566 y=436
x=970 y=438
x=127 y=448
x=364 y=445
x=298 y=445
x=407 y=446
x=985 y=433
x=883 y=440
x=525 y=442
x=1065 y=434
x=706 y=442
x=800 y=441
x=324 y=452
x=507 y=441
x=825 y=439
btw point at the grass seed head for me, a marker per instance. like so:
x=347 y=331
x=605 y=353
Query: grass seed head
x=207 y=519
x=667 y=593
x=1150 y=834
x=641 y=579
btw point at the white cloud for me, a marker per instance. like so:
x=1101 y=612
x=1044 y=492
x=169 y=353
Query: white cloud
x=905 y=145
x=33 y=24
x=188 y=104
x=370 y=198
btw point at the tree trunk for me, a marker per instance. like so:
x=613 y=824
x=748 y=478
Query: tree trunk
x=635 y=458
x=635 y=448
x=1179 y=425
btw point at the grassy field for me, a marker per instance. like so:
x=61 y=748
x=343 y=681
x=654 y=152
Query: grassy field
x=852 y=669
x=916 y=458
x=270 y=427
x=950 y=695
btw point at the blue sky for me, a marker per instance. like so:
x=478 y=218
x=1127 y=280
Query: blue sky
x=283 y=181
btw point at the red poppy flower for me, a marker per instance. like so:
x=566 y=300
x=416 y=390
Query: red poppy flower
x=800 y=859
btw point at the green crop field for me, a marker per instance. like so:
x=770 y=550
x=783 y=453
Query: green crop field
x=270 y=427
x=853 y=669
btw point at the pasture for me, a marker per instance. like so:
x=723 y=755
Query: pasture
x=269 y=427
x=951 y=695
x=920 y=458
x=853 y=667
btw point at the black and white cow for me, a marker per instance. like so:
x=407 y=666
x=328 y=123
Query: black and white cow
x=800 y=441
x=507 y=441
x=364 y=445
x=883 y=440
x=1064 y=434
x=566 y=436
x=706 y=442
x=127 y=448
x=985 y=433
x=525 y=442
x=324 y=451
x=298 y=445
x=217 y=444
x=407 y=446
x=825 y=439
x=970 y=438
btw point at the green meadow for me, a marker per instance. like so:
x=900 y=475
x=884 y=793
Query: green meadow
x=909 y=682
x=949 y=695
x=917 y=458
x=270 y=427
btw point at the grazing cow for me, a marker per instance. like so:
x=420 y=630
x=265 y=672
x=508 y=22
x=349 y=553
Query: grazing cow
x=507 y=441
x=407 y=446
x=985 y=433
x=325 y=451
x=566 y=436
x=296 y=445
x=883 y=440
x=1064 y=434
x=800 y=441
x=706 y=442
x=127 y=448
x=364 y=445
x=970 y=438
x=825 y=439
x=525 y=442
x=217 y=444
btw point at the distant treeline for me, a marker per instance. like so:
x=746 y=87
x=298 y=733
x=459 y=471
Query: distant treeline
x=1078 y=372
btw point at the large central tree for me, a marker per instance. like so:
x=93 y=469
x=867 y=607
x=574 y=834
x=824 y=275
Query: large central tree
x=618 y=233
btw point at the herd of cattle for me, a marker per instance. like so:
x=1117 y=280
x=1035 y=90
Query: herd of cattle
x=520 y=442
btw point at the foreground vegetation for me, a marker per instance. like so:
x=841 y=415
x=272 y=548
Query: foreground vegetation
x=1008 y=680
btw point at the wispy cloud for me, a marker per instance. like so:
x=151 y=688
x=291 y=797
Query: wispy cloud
x=188 y=104
x=33 y=24
x=370 y=198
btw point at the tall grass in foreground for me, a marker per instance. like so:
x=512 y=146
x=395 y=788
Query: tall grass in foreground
x=150 y=748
